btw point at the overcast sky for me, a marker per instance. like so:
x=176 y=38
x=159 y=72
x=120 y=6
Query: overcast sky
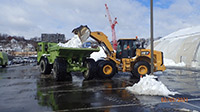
x=30 y=18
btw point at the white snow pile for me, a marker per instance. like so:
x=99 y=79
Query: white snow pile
x=169 y=62
x=190 y=31
x=75 y=42
x=149 y=86
x=98 y=55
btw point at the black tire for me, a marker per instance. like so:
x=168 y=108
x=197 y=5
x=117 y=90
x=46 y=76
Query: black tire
x=141 y=68
x=98 y=61
x=4 y=66
x=90 y=73
x=45 y=67
x=60 y=70
x=106 y=69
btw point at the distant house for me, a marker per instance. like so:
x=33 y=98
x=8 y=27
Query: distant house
x=13 y=41
x=1 y=48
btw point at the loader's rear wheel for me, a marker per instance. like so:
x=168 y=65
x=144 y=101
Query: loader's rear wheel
x=141 y=68
x=90 y=73
x=45 y=67
x=60 y=70
x=106 y=69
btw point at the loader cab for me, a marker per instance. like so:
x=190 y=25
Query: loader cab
x=126 y=48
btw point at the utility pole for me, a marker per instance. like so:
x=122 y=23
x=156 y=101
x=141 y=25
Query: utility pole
x=151 y=30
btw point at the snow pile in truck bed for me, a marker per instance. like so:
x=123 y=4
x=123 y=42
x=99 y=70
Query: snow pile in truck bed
x=149 y=86
x=98 y=55
x=75 y=42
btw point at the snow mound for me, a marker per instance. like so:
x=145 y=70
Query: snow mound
x=149 y=86
x=98 y=55
x=190 y=31
x=75 y=42
x=169 y=62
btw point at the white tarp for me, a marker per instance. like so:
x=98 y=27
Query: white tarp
x=181 y=46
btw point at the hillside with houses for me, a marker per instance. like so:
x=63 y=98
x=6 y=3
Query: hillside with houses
x=17 y=45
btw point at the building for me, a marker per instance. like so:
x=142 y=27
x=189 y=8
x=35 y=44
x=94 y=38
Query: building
x=27 y=54
x=53 y=37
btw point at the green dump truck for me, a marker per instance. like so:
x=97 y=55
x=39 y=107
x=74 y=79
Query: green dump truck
x=61 y=61
x=3 y=59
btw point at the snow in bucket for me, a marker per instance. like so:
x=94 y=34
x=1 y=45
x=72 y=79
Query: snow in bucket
x=148 y=85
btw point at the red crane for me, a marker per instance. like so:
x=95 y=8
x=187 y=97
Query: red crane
x=112 y=24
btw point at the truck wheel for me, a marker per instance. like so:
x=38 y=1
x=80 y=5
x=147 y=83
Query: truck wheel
x=90 y=73
x=106 y=69
x=4 y=66
x=45 y=67
x=60 y=70
x=98 y=61
x=141 y=68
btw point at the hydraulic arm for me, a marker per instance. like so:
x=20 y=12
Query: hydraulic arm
x=84 y=33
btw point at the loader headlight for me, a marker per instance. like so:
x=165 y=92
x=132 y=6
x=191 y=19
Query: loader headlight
x=145 y=53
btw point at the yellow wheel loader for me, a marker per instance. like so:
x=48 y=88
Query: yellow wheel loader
x=129 y=57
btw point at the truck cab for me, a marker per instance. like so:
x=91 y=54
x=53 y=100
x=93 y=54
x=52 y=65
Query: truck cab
x=42 y=49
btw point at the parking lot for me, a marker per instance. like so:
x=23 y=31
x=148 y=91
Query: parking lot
x=24 y=89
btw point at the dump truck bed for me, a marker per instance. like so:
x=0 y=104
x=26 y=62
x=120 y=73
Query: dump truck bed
x=73 y=52
x=53 y=51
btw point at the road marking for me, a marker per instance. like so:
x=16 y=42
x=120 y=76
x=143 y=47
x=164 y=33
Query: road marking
x=87 y=90
x=100 y=107
x=194 y=99
x=56 y=86
x=187 y=102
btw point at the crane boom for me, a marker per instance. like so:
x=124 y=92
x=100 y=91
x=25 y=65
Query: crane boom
x=112 y=24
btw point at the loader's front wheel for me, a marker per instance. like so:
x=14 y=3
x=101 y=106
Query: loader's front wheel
x=91 y=65
x=141 y=68
x=60 y=70
x=106 y=69
x=45 y=67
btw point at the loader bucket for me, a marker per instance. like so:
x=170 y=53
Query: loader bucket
x=83 y=32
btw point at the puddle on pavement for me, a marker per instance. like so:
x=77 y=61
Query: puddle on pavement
x=83 y=94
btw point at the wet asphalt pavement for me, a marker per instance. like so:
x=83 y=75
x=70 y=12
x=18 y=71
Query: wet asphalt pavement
x=24 y=89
